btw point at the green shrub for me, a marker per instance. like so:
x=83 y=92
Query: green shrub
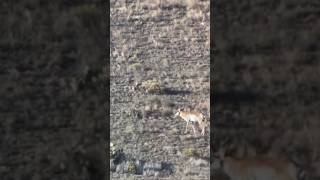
x=132 y=168
x=190 y=152
x=152 y=87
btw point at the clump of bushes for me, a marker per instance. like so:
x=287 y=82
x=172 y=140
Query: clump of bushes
x=190 y=152
x=150 y=86
x=132 y=168
x=135 y=67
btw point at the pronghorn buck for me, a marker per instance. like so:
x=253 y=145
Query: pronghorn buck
x=259 y=168
x=193 y=117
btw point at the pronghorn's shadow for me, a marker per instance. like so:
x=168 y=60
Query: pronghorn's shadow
x=172 y=6
x=232 y=96
x=169 y=91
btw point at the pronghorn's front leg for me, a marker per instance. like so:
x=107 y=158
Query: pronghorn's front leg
x=202 y=125
x=194 y=130
x=187 y=127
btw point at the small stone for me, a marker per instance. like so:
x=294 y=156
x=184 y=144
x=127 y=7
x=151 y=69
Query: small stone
x=112 y=165
x=147 y=108
x=139 y=166
x=120 y=168
x=167 y=148
x=198 y=162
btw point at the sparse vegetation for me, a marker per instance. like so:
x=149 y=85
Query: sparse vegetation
x=149 y=86
x=190 y=152
x=152 y=87
x=160 y=57
x=135 y=67
x=132 y=168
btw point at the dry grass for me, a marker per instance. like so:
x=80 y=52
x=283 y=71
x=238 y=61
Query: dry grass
x=149 y=86
x=190 y=152
x=161 y=62
x=191 y=3
x=135 y=67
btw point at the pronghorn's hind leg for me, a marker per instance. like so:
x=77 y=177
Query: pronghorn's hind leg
x=203 y=132
x=204 y=128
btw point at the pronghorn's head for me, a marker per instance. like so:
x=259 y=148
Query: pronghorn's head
x=177 y=113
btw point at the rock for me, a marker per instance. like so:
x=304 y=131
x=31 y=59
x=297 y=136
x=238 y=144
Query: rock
x=153 y=166
x=147 y=172
x=147 y=108
x=112 y=165
x=139 y=166
x=198 y=162
x=120 y=168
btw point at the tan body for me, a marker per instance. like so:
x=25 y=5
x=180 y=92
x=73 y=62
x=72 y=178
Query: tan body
x=259 y=168
x=193 y=117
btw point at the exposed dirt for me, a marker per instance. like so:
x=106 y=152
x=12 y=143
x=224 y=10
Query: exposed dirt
x=167 y=43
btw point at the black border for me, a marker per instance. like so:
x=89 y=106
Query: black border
x=212 y=45
x=107 y=5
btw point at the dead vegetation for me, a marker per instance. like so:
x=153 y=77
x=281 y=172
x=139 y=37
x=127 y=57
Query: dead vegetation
x=150 y=86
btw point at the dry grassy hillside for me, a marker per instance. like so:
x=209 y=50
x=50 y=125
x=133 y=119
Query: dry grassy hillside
x=163 y=47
